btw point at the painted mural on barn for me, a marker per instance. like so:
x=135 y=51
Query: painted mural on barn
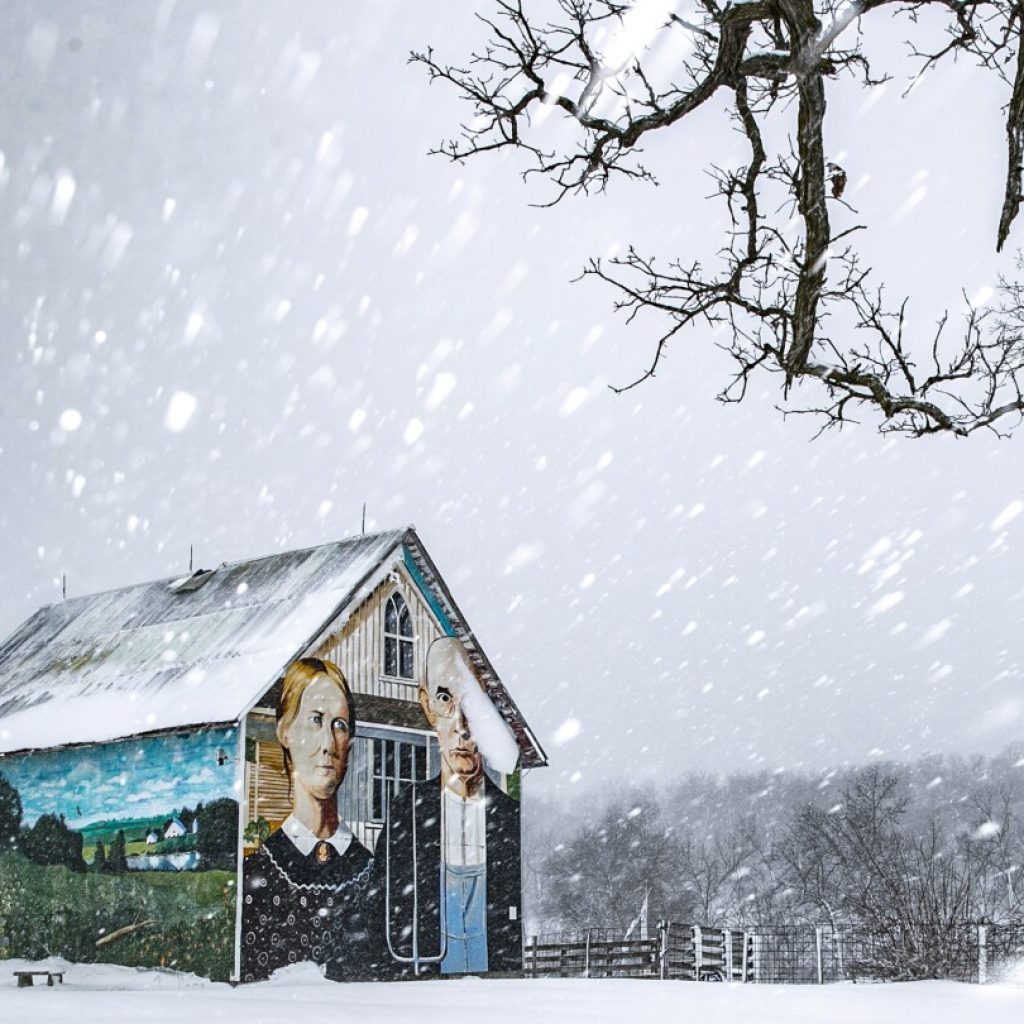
x=124 y=852
x=379 y=852
x=450 y=849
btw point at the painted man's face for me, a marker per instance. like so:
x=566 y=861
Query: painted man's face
x=442 y=704
x=318 y=739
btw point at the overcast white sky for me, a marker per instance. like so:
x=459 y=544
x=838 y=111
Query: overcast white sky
x=238 y=299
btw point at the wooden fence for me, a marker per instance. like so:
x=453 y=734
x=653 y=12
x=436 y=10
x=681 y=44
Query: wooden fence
x=781 y=955
x=680 y=951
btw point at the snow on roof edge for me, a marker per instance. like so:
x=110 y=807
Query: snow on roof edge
x=108 y=666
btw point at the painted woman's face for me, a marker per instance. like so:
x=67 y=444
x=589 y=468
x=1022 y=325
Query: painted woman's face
x=318 y=739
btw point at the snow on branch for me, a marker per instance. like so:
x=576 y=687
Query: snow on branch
x=802 y=307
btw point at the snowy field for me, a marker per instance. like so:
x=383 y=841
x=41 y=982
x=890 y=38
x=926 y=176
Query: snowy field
x=104 y=995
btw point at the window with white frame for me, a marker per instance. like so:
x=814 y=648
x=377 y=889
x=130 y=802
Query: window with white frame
x=398 y=638
x=394 y=764
x=381 y=762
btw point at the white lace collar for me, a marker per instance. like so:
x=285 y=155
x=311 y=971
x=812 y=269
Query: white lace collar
x=304 y=840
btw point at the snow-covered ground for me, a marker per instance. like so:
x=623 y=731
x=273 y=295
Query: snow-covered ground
x=104 y=995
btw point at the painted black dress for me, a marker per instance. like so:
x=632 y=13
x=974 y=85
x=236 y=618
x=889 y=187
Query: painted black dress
x=321 y=907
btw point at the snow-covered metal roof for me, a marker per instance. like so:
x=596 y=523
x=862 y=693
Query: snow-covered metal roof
x=153 y=656
x=203 y=648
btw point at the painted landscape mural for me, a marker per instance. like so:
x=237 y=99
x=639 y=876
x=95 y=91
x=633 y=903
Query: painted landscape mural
x=123 y=852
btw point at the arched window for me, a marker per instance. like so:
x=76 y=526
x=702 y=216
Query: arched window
x=397 y=638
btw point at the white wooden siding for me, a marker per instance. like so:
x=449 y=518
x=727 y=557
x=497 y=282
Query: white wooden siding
x=358 y=648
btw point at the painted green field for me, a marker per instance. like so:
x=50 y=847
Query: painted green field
x=89 y=852
x=134 y=829
x=183 y=920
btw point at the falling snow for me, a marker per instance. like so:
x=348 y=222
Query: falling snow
x=241 y=303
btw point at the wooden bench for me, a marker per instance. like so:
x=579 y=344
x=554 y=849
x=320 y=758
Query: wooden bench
x=25 y=977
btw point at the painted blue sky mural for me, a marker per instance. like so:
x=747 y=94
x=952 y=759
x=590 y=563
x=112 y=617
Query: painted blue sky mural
x=132 y=779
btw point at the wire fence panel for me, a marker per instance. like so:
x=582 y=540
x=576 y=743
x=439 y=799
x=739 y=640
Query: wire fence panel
x=920 y=951
x=958 y=951
x=1004 y=949
x=789 y=955
x=783 y=956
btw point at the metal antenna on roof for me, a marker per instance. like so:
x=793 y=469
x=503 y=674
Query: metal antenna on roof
x=364 y=517
x=64 y=585
x=190 y=558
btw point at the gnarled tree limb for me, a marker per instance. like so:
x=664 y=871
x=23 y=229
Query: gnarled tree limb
x=802 y=307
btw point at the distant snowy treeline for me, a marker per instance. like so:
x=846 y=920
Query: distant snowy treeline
x=887 y=847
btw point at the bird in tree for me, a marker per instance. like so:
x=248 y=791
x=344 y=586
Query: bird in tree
x=837 y=179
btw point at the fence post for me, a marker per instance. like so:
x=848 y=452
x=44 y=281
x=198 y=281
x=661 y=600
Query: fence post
x=663 y=927
x=817 y=951
x=727 y=940
x=982 y=954
x=586 y=957
x=755 y=944
x=698 y=952
x=533 y=955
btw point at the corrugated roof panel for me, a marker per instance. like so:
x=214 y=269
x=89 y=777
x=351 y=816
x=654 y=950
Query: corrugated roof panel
x=145 y=658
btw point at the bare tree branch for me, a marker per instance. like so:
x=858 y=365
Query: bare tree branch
x=803 y=307
x=1015 y=147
